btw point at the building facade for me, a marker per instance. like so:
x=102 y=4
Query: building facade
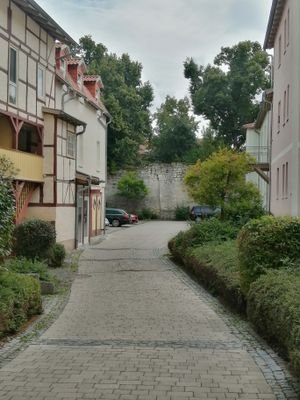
x=78 y=94
x=283 y=35
x=40 y=132
x=258 y=145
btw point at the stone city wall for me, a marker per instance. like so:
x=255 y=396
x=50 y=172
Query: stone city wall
x=166 y=190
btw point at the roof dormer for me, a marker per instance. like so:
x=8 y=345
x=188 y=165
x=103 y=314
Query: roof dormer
x=93 y=84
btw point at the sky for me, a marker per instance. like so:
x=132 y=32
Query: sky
x=161 y=34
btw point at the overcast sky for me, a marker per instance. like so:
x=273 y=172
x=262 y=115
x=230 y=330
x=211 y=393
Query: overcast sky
x=161 y=34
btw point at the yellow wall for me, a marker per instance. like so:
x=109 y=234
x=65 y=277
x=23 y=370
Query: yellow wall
x=5 y=133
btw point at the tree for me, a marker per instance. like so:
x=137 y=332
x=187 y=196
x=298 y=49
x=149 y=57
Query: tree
x=131 y=186
x=226 y=92
x=126 y=97
x=7 y=205
x=175 y=130
x=220 y=182
x=204 y=147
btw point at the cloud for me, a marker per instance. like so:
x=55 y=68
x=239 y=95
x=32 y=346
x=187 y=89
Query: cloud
x=161 y=34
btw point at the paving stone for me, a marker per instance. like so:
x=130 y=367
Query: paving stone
x=137 y=327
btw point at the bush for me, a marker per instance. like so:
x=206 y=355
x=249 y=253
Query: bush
x=20 y=299
x=182 y=213
x=273 y=306
x=210 y=230
x=7 y=214
x=147 y=213
x=34 y=239
x=25 y=266
x=131 y=186
x=57 y=255
x=267 y=243
x=216 y=267
x=244 y=210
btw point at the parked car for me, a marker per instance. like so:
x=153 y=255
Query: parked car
x=200 y=212
x=117 y=216
x=134 y=218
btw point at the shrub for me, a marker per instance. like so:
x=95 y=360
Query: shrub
x=7 y=214
x=57 y=255
x=273 y=306
x=24 y=266
x=210 y=230
x=147 y=213
x=20 y=298
x=182 y=213
x=216 y=267
x=34 y=239
x=267 y=243
x=7 y=205
x=244 y=210
x=131 y=186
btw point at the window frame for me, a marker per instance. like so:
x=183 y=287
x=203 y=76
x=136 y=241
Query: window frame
x=279 y=117
x=279 y=50
x=11 y=83
x=43 y=70
x=71 y=145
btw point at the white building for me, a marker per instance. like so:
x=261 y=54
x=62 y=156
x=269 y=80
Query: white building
x=78 y=94
x=283 y=34
x=258 y=144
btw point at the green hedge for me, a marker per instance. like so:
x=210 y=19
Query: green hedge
x=267 y=243
x=216 y=267
x=273 y=306
x=210 y=230
x=20 y=299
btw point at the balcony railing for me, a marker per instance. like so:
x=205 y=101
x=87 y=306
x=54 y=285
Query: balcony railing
x=260 y=153
x=29 y=166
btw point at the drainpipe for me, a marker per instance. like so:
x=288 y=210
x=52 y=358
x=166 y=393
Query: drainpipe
x=104 y=197
x=270 y=155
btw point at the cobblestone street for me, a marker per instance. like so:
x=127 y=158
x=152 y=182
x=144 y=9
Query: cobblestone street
x=136 y=327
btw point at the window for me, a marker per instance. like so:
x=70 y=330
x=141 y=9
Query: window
x=284 y=108
x=71 y=144
x=41 y=82
x=277 y=184
x=283 y=181
x=285 y=35
x=288 y=28
x=286 y=180
x=278 y=117
x=279 y=51
x=287 y=103
x=13 y=73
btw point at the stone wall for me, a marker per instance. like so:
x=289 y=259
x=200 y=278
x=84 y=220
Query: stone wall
x=166 y=190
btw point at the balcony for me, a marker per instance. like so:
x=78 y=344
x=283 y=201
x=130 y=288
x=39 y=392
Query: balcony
x=261 y=155
x=29 y=166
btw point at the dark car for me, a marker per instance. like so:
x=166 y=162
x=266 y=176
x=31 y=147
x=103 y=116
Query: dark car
x=117 y=216
x=200 y=212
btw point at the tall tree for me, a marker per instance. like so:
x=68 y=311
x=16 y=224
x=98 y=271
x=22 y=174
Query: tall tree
x=226 y=92
x=175 y=130
x=127 y=98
